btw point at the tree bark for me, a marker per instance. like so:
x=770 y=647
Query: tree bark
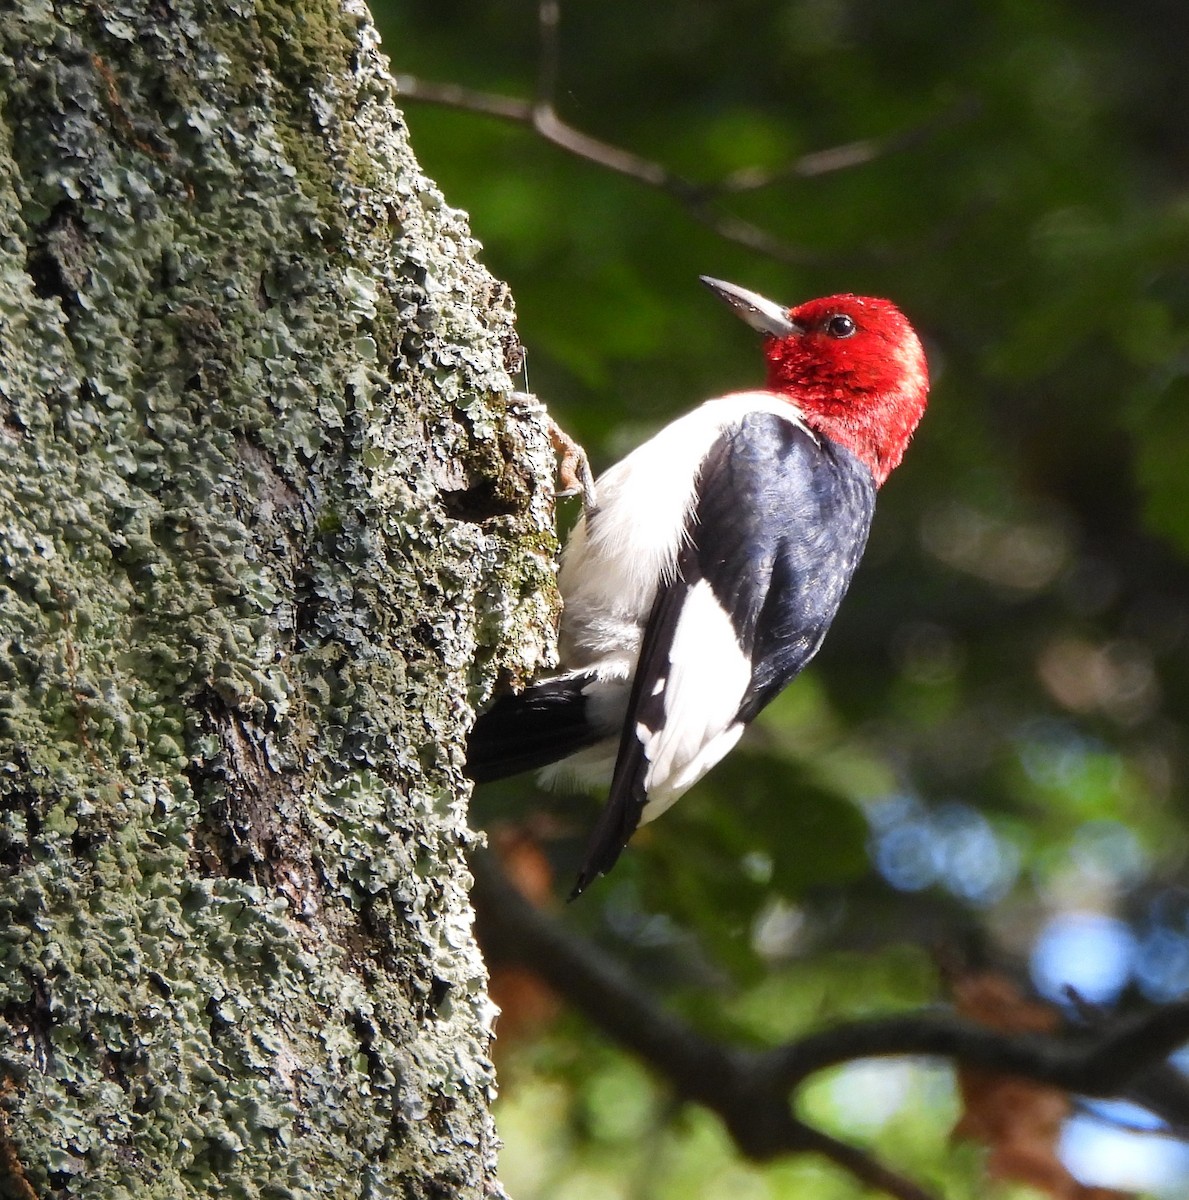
x=268 y=529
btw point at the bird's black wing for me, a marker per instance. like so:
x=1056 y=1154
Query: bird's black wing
x=779 y=525
x=783 y=518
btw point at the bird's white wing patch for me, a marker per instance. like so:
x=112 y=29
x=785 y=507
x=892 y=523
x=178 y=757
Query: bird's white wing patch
x=707 y=676
x=614 y=562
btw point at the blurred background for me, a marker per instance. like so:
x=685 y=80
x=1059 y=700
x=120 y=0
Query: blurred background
x=985 y=768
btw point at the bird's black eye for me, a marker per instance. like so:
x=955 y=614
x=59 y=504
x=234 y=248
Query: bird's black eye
x=840 y=326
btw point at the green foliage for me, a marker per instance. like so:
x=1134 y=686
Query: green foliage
x=1016 y=644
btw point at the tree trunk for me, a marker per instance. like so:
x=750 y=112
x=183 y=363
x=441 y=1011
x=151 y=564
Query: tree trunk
x=267 y=529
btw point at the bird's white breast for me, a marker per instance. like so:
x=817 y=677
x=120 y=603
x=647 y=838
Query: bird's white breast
x=613 y=563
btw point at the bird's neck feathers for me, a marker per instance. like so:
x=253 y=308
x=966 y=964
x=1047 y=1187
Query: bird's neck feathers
x=865 y=394
x=877 y=431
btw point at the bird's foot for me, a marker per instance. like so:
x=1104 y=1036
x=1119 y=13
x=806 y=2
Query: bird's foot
x=573 y=467
x=574 y=476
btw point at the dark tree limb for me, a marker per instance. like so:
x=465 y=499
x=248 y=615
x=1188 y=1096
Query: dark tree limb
x=751 y=1090
x=739 y=1085
x=1100 y=1062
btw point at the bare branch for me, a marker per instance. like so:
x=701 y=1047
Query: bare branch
x=697 y=200
x=453 y=95
x=553 y=129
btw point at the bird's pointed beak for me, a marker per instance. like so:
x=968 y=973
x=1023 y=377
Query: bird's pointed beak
x=765 y=316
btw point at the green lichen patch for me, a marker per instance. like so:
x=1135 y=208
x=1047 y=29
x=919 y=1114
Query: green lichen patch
x=267 y=529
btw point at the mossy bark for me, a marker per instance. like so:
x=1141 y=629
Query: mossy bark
x=268 y=527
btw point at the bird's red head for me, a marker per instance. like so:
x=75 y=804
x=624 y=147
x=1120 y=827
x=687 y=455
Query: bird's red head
x=853 y=365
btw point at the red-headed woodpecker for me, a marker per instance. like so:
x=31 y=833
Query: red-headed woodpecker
x=706 y=574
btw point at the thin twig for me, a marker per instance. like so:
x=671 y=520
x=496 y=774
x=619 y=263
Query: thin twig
x=553 y=129
x=805 y=166
x=548 y=20
x=454 y=95
x=851 y=154
x=862 y=1166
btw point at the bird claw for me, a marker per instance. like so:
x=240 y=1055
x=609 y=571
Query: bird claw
x=574 y=476
x=573 y=468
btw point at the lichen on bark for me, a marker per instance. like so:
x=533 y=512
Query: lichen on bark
x=268 y=528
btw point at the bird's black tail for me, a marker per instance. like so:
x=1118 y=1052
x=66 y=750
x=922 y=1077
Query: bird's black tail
x=544 y=723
